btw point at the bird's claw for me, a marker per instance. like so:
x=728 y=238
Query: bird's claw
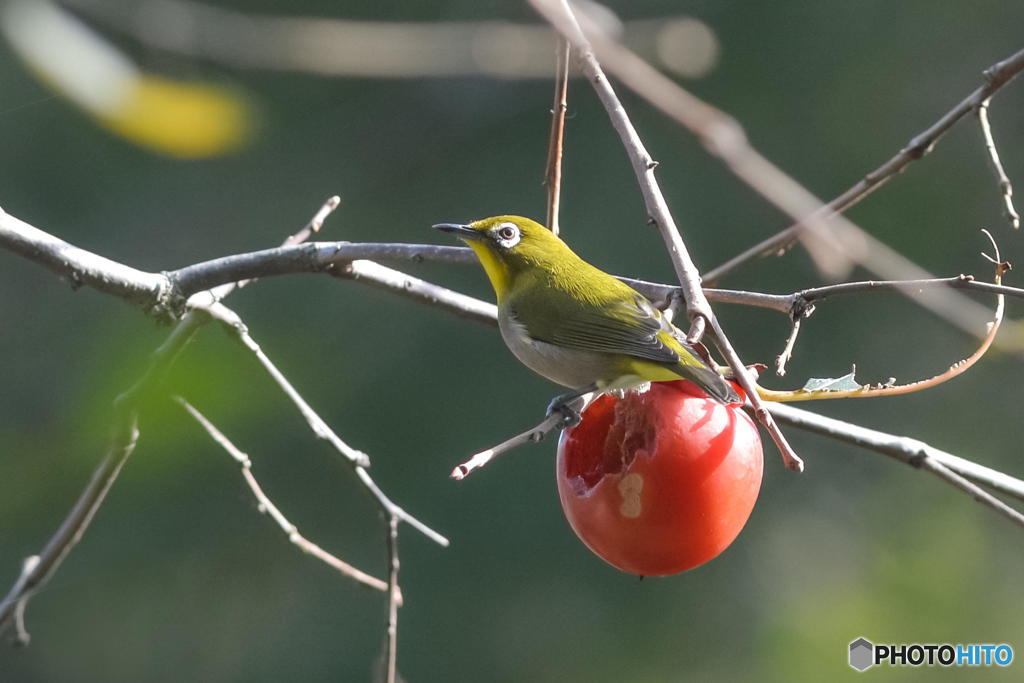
x=570 y=416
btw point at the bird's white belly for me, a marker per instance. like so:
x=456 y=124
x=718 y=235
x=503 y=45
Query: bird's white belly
x=573 y=368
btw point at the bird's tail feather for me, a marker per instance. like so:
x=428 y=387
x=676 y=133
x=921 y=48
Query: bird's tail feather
x=716 y=386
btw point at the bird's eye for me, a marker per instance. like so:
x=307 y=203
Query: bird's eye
x=507 y=232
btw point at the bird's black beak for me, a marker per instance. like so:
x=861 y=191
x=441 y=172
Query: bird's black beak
x=458 y=229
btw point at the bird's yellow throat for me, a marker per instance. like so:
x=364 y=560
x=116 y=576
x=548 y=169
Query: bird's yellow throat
x=497 y=272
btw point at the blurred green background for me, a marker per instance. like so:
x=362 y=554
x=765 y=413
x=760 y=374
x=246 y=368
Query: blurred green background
x=181 y=579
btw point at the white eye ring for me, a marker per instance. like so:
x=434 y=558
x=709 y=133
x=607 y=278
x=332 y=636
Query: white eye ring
x=507 y=235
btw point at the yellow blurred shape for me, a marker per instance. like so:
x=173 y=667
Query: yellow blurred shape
x=183 y=119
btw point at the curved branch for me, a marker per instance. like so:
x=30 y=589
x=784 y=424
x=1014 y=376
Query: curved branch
x=1005 y=186
x=996 y=76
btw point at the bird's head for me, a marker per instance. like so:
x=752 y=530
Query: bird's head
x=508 y=246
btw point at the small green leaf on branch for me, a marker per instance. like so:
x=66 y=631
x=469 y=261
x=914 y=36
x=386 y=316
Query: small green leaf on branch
x=844 y=383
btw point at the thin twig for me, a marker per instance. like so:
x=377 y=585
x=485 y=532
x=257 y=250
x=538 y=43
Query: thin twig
x=790 y=459
x=21 y=635
x=973 y=490
x=403 y=284
x=356 y=459
x=997 y=165
x=532 y=435
x=914 y=453
x=28 y=568
x=79 y=263
x=721 y=135
x=316 y=222
x=311 y=228
x=233 y=322
x=815 y=295
x=832 y=239
x=267 y=506
x=394 y=601
x=802 y=301
x=787 y=353
x=553 y=176
x=126 y=434
x=893 y=389
x=996 y=76
x=561 y=16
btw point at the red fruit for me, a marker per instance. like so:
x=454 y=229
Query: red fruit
x=659 y=482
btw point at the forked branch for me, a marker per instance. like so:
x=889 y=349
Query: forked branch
x=267 y=506
x=698 y=309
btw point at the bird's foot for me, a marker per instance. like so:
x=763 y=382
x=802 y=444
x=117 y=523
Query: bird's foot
x=570 y=416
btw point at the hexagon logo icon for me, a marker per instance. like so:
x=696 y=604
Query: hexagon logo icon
x=862 y=653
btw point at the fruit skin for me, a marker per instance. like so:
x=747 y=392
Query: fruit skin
x=659 y=482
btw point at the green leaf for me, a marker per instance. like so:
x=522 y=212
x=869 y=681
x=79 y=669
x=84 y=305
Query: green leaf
x=844 y=383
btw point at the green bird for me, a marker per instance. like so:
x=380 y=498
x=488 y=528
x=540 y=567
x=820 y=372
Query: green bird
x=575 y=324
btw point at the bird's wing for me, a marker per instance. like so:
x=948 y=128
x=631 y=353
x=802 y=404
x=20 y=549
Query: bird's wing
x=630 y=326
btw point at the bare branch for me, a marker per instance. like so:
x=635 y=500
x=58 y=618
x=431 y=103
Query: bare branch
x=893 y=389
x=312 y=257
x=996 y=76
x=833 y=240
x=997 y=165
x=814 y=295
x=414 y=288
x=803 y=300
x=337 y=258
x=122 y=445
x=790 y=459
x=394 y=601
x=787 y=353
x=234 y=324
x=553 y=177
x=800 y=303
x=28 y=568
x=721 y=135
x=267 y=507
x=96 y=271
x=80 y=267
x=343 y=259
x=311 y=228
x=324 y=255
x=166 y=293
x=316 y=222
x=534 y=434
x=357 y=460
x=561 y=16
x=914 y=453
x=973 y=490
